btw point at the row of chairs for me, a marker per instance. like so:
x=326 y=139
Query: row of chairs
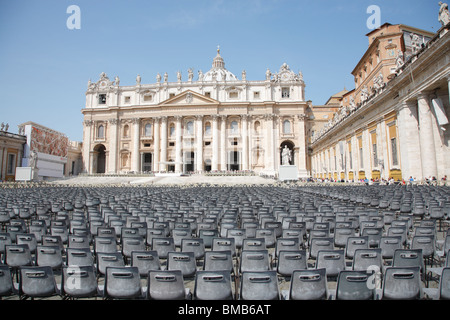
x=399 y=283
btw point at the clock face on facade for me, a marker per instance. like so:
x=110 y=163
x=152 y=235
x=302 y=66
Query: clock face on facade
x=285 y=76
x=103 y=84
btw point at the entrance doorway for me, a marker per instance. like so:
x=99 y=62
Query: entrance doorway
x=189 y=161
x=101 y=158
x=234 y=163
x=147 y=162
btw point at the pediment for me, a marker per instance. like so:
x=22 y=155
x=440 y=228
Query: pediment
x=189 y=98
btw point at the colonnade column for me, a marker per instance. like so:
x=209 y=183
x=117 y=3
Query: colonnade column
x=223 y=147
x=215 y=144
x=112 y=158
x=156 y=145
x=178 y=142
x=245 y=153
x=426 y=137
x=199 y=137
x=163 y=156
x=269 y=158
x=87 y=146
x=136 y=141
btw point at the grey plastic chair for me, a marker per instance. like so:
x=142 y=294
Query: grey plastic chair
x=49 y=256
x=145 y=261
x=355 y=243
x=444 y=284
x=389 y=244
x=257 y=260
x=79 y=282
x=402 y=283
x=17 y=255
x=331 y=260
x=123 y=283
x=79 y=257
x=213 y=285
x=353 y=285
x=194 y=245
x=184 y=261
x=218 y=260
x=7 y=287
x=367 y=259
x=37 y=282
x=309 y=285
x=259 y=285
x=163 y=246
x=289 y=261
x=166 y=285
x=105 y=260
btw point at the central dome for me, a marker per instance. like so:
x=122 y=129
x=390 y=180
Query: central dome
x=218 y=71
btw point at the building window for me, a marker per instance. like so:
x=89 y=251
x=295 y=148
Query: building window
x=394 y=151
x=257 y=127
x=101 y=132
x=171 y=144
x=286 y=127
x=234 y=127
x=148 y=98
x=233 y=95
x=148 y=130
x=256 y=95
x=171 y=95
x=190 y=128
x=208 y=94
x=207 y=143
x=102 y=99
x=234 y=142
x=172 y=130
x=207 y=129
x=10 y=170
x=127 y=99
x=285 y=93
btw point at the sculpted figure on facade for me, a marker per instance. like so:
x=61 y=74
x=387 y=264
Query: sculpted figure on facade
x=158 y=78
x=364 y=94
x=378 y=84
x=444 y=15
x=286 y=156
x=179 y=75
x=190 y=74
x=33 y=159
x=400 y=62
x=117 y=80
x=415 y=43
x=200 y=75
x=166 y=77
x=268 y=74
x=138 y=79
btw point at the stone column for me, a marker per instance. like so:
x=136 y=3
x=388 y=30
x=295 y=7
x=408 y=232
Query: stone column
x=223 y=146
x=215 y=144
x=199 y=140
x=245 y=153
x=426 y=137
x=156 y=144
x=178 y=145
x=112 y=158
x=87 y=146
x=163 y=157
x=136 y=142
x=302 y=152
x=269 y=158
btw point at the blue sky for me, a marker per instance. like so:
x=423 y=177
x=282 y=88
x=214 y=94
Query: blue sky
x=45 y=67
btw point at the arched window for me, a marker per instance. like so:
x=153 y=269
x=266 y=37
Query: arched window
x=234 y=127
x=101 y=131
x=126 y=130
x=207 y=129
x=172 y=130
x=286 y=127
x=190 y=128
x=148 y=130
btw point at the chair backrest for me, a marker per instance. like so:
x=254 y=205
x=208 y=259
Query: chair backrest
x=213 y=285
x=238 y=235
x=29 y=239
x=37 y=281
x=259 y=285
x=289 y=261
x=49 y=256
x=5 y=239
x=6 y=281
x=163 y=246
x=268 y=235
x=286 y=244
x=79 y=241
x=353 y=285
x=398 y=231
x=195 y=245
x=318 y=244
x=257 y=260
x=332 y=260
x=365 y=259
x=79 y=281
x=402 y=283
x=224 y=244
x=145 y=261
x=112 y=259
x=354 y=243
x=208 y=235
x=426 y=243
x=79 y=257
x=218 y=260
x=389 y=244
x=17 y=255
x=130 y=244
x=408 y=258
x=184 y=261
x=341 y=236
x=122 y=283
x=166 y=285
x=444 y=284
x=374 y=235
x=105 y=244
x=309 y=285
x=254 y=244
x=180 y=234
x=53 y=240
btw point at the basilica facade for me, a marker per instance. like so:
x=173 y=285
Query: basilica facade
x=208 y=122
